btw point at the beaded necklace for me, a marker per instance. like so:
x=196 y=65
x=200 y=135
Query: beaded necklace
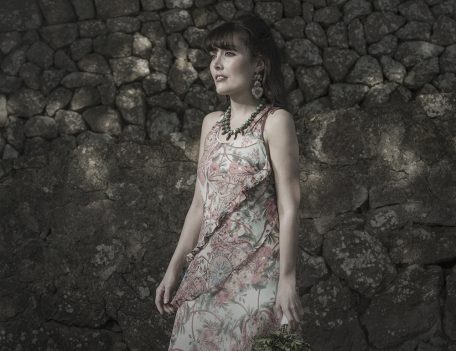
x=227 y=118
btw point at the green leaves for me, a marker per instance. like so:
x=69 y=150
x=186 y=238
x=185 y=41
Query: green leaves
x=280 y=340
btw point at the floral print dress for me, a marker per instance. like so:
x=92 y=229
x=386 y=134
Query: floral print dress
x=227 y=294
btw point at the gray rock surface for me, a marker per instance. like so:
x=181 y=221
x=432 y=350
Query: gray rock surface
x=175 y=20
x=113 y=45
x=19 y=15
x=41 y=126
x=327 y=15
x=360 y=259
x=12 y=63
x=57 y=11
x=302 y=52
x=412 y=52
x=30 y=75
x=84 y=97
x=84 y=9
x=379 y=24
x=129 y=69
x=59 y=35
x=313 y=81
x=366 y=71
x=315 y=33
x=94 y=63
x=116 y=8
x=101 y=106
x=132 y=105
x=448 y=59
x=26 y=103
x=338 y=62
x=392 y=316
x=449 y=320
x=69 y=122
x=103 y=119
x=181 y=76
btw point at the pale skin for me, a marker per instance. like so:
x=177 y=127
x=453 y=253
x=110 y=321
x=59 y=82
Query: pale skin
x=280 y=136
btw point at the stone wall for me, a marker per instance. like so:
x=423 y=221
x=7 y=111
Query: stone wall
x=101 y=103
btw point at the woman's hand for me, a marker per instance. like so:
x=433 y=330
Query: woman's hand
x=288 y=302
x=164 y=291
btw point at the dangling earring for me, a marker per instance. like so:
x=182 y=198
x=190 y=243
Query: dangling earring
x=257 y=90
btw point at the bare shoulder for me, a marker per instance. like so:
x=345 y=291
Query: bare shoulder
x=209 y=121
x=277 y=123
x=212 y=117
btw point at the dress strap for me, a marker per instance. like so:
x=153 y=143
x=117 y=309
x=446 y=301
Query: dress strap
x=262 y=119
x=271 y=109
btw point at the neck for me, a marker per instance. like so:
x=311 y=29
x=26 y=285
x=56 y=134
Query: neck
x=242 y=108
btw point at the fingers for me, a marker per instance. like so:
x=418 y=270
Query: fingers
x=158 y=298
x=293 y=314
x=290 y=318
x=169 y=308
x=166 y=299
x=290 y=322
x=294 y=327
x=162 y=299
x=290 y=313
x=278 y=312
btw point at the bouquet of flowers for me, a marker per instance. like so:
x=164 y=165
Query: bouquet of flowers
x=280 y=340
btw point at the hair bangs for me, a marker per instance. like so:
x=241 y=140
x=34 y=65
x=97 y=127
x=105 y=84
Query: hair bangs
x=251 y=31
x=223 y=36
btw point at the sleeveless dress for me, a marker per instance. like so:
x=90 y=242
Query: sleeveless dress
x=227 y=294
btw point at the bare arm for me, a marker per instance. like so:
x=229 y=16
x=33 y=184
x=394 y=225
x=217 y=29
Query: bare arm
x=187 y=239
x=193 y=219
x=189 y=234
x=284 y=150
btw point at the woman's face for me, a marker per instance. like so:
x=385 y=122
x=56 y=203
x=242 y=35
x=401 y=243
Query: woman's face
x=236 y=68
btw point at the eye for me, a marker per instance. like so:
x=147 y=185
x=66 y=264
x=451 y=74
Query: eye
x=212 y=54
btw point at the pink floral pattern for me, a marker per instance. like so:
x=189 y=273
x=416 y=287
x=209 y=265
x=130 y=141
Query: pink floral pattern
x=227 y=293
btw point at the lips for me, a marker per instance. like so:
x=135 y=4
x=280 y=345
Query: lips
x=219 y=77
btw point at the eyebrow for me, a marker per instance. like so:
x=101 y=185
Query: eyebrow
x=226 y=49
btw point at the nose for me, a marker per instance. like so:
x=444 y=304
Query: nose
x=217 y=61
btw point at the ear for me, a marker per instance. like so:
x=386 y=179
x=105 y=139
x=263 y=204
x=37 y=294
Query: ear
x=259 y=65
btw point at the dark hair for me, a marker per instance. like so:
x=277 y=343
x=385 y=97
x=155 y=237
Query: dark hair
x=257 y=37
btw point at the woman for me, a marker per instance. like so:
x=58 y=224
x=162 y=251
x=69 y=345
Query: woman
x=241 y=274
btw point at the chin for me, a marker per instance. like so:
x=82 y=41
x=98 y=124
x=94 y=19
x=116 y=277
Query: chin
x=222 y=92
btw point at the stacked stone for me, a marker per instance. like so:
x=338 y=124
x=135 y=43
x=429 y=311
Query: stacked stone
x=136 y=69
x=87 y=224
x=361 y=51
